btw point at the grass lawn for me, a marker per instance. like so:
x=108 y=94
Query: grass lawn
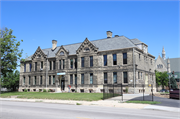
x=143 y=102
x=61 y=96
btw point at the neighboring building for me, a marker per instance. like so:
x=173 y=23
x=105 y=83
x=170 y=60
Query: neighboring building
x=169 y=65
x=89 y=65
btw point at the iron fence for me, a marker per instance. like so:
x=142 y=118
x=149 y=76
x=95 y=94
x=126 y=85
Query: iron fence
x=142 y=92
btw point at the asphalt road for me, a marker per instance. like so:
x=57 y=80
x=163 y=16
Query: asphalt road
x=39 y=110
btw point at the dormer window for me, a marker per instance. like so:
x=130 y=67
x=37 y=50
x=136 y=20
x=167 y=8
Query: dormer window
x=61 y=53
x=86 y=50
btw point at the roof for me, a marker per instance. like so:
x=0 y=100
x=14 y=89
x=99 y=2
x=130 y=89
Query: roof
x=102 y=45
x=174 y=64
x=136 y=41
x=164 y=62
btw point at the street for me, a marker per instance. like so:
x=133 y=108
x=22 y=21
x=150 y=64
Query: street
x=39 y=110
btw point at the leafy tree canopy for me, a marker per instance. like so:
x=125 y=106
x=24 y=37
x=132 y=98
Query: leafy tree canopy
x=162 y=79
x=10 y=53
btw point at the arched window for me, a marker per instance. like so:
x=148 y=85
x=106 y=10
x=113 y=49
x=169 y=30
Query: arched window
x=86 y=50
x=39 y=56
x=61 y=53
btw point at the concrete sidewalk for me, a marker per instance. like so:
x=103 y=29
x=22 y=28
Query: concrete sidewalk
x=103 y=103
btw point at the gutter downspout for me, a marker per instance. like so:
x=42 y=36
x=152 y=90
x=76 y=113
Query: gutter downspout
x=133 y=71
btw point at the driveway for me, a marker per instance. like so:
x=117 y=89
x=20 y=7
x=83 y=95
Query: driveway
x=164 y=101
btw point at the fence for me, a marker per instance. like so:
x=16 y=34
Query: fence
x=142 y=92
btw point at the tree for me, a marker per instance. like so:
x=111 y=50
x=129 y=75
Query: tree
x=11 y=81
x=10 y=53
x=162 y=79
x=173 y=84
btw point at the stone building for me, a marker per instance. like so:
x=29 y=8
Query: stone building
x=86 y=66
x=169 y=65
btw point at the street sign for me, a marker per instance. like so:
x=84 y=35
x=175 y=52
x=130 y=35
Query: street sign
x=63 y=73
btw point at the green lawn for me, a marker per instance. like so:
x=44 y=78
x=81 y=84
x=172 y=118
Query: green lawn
x=143 y=102
x=61 y=96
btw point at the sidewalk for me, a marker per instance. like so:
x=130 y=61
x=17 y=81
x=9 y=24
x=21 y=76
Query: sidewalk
x=105 y=103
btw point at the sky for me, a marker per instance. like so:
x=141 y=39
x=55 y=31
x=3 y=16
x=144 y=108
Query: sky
x=156 y=23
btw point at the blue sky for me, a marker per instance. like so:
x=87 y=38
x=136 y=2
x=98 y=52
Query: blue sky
x=155 y=23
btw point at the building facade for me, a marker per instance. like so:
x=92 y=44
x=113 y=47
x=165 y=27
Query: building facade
x=168 y=65
x=86 y=66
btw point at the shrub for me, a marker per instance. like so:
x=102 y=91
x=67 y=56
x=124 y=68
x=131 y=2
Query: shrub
x=39 y=90
x=25 y=90
x=49 y=90
x=126 y=89
x=44 y=90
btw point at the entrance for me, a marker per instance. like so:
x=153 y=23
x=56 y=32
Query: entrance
x=62 y=84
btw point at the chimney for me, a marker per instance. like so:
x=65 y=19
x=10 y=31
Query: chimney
x=109 y=34
x=54 y=44
x=116 y=36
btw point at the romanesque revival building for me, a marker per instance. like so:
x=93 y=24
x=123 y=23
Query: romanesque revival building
x=86 y=66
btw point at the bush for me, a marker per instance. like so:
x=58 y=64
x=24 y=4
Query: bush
x=44 y=90
x=49 y=90
x=126 y=89
x=25 y=90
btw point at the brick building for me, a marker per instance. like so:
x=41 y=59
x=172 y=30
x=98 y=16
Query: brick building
x=88 y=65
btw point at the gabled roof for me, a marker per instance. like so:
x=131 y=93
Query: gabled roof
x=165 y=63
x=174 y=64
x=136 y=41
x=102 y=45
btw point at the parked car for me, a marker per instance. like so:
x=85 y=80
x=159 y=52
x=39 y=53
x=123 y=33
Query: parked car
x=163 y=90
x=174 y=93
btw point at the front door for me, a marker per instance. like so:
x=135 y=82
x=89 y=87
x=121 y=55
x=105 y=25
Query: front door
x=62 y=84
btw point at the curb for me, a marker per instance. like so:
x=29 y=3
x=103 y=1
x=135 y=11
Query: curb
x=162 y=108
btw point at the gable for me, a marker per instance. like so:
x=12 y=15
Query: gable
x=39 y=54
x=86 y=47
x=160 y=65
x=62 y=51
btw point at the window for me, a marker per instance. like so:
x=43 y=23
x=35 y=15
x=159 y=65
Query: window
x=82 y=78
x=39 y=56
x=35 y=66
x=141 y=75
x=105 y=60
x=24 y=67
x=75 y=76
x=91 y=78
x=53 y=80
x=151 y=61
x=41 y=65
x=24 y=81
x=61 y=53
x=105 y=77
x=34 y=80
x=49 y=65
x=86 y=50
x=59 y=64
x=49 y=80
x=91 y=61
x=63 y=63
x=54 y=65
x=138 y=75
x=75 y=63
x=71 y=79
x=30 y=66
x=139 y=56
x=29 y=80
x=114 y=59
x=41 y=80
x=71 y=60
x=115 y=77
x=124 y=58
x=82 y=61
x=125 y=77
